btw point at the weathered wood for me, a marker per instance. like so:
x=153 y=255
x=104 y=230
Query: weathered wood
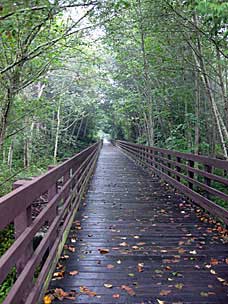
x=140 y=220
x=63 y=204
x=179 y=179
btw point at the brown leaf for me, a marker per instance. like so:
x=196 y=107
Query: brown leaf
x=60 y=294
x=181 y=251
x=86 y=290
x=116 y=296
x=110 y=266
x=73 y=273
x=58 y=274
x=140 y=267
x=128 y=289
x=214 y=261
x=70 y=248
x=164 y=292
x=103 y=251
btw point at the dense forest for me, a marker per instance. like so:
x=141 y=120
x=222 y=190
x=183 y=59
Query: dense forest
x=152 y=72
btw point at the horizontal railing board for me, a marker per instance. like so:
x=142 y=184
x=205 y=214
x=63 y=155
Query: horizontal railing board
x=16 y=201
x=141 y=153
x=82 y=164
x=221 y=164
x=7 y=261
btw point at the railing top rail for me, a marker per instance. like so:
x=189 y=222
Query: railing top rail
x=54 y=221
x=14 y=202
x=206 y=160
x=198 y=183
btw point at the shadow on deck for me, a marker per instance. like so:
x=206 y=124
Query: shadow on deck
x=135 y=240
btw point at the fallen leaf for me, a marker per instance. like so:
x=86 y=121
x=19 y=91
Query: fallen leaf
x=179 y=285
x=123 y=244
x=116 y=296
x=164 y=292
x=220 y=279
x=140 y=267
x=193 y=252
x=103 y=251
x=108 y=285
x=60 y=294
x=73 y=273
x=64 y=257
x=181 y=251
x=110 y=266
x=58 y=274
x=48 y=299
x=204 y=294
x=86 y=290
x=70 y=248
x=128 y=289
x=141 y=243
x=131 y=275
x=160 y=302
x=214 y=262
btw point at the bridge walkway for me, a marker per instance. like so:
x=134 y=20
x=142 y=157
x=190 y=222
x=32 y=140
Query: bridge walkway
x=135 y=240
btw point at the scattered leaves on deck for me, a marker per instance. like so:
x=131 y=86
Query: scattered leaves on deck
x=129 y=290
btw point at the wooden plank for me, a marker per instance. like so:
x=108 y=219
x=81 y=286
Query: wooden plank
x=140 y=220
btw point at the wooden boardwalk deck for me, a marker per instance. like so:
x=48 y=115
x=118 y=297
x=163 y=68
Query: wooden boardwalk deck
x=157 y=245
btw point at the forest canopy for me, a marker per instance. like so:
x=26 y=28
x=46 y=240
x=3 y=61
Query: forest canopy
x=147 y=71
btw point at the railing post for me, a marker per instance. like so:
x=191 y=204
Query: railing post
x=178 y=169
x=169 y=165
x=52 y=191
x=162 y=162
x=190 y=173
x=152 y=157
x=207 y=180
x=21 y=222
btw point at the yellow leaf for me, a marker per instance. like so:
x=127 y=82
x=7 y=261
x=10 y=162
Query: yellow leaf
x=47 y=299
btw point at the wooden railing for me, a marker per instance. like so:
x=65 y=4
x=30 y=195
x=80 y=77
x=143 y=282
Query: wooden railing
x=64 y=186
x=202 y=179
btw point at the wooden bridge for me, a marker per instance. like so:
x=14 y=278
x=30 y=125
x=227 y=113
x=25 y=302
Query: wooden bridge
x=148 y=231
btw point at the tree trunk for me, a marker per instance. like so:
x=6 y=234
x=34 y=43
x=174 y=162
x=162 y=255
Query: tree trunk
x=197 y=113
x=57 y=133
x=10 y=155
x=5 y=115
x=79 y=130
x=85 y=127
x=222 y=131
